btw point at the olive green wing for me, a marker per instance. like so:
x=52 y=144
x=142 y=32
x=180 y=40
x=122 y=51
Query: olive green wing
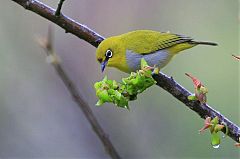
x=147 y=41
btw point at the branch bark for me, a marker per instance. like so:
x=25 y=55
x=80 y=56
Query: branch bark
x=68 y=24
x=163 y=81
x=203 y=110
x=58 y=11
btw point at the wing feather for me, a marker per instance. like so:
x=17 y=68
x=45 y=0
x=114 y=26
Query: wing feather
x=147 y=41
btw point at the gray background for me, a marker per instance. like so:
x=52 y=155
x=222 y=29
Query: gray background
x=38 y=118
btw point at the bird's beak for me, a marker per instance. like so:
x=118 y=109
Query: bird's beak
x=103 y=64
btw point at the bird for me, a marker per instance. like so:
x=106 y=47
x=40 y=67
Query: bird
x=125 y=51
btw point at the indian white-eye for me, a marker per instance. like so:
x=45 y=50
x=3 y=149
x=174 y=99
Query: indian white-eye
x=125 y=51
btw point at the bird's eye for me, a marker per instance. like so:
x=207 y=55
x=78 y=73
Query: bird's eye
x=109 y=54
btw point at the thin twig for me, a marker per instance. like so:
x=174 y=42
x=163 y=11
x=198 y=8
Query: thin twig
x=58 y=11
x=54 y=60
x=165 y=82
x=236 y=57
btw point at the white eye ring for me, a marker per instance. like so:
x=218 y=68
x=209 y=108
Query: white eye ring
x=109 y=54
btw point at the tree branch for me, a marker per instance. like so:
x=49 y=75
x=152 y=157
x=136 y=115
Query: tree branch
x=58 y=11
x=203 y=110
x=163 y=81
x=69 y=25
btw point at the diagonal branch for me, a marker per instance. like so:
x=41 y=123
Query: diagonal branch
x=203 y=110
x=68 y=24
x=163 y=81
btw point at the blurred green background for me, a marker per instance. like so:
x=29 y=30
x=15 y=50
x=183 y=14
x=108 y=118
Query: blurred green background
x=38 y=118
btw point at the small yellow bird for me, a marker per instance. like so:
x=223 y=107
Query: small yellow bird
x=125 y=51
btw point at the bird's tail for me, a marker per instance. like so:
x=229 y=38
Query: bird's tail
x=186 y=45
x=203 y=43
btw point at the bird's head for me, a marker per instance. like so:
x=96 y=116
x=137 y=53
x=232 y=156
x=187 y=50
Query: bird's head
x=111 y=52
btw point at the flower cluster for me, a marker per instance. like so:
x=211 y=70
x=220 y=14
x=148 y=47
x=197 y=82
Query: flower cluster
x=199 y=89
x=120 y=93
x=214 y=127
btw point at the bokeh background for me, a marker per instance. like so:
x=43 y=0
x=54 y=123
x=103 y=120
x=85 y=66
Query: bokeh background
x=38 y=118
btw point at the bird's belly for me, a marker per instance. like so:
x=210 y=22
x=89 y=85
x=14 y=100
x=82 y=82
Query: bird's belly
x=159 y=58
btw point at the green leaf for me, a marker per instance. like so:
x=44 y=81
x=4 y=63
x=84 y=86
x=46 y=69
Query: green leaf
x=99 y=103
x=214 y=121
x=218 y=127
x=97 y=85
x=115 y=85
x=103 y=96
x=192 y=97
x=121 y=93
x=143 y=63
x=203 y=90
x=105 y=79
x=122 y=102
x=215 y=140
